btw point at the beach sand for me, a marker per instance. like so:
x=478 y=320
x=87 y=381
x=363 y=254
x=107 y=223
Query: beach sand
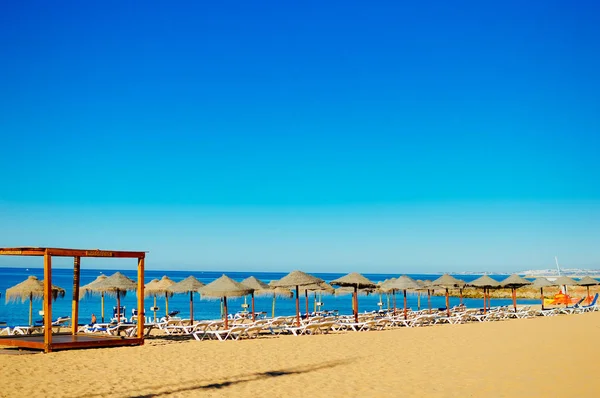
x=545 y=356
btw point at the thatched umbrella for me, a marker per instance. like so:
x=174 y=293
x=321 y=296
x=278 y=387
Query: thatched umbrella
x=542 y=283
x=278 y=291
x=117 y=284
x=31 y=288
x=384 y=289
x=357 y=281
x=149 y=286
x=485 y=282
x=588 y=281
x=296 y=279
x=447 y=282
x=404 y=283
x=320 y=288
x=259 y=288
x=89 y=289
x=222 y=288
x=514 y=282
x=160 y=287
x=188 y=285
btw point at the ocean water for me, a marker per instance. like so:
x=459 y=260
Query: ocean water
x=16 y=313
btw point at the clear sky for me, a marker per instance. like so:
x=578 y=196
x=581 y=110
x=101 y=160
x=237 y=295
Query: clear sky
x=324 y=136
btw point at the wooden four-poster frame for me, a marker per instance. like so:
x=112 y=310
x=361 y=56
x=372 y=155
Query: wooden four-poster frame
x=48 y=345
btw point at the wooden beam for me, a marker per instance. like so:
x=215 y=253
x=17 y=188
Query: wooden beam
x=47 y=302
x=61 y=252
x=141 y=317
x=75 y=304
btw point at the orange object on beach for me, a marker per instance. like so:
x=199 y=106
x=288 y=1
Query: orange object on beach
x=561 y=298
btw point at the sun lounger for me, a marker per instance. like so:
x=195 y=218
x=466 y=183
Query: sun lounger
x=5 y=329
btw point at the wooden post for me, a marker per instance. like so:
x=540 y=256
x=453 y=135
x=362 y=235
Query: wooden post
x=118 y=306
x=315 y=301
x=30 y=309
x=75 y=304
x=542 y=296
x=447 y=303
x=47 y=302
x=429 y=300
x=306 y=301
x=419 y=300
x=191 y=307
x=141 y=317
x=225 y=313
x=154 y=308
x=253 y=314
x=394 y=299
x=461 y=296
x=484 y=304
x=167 y=305
x=102 y=307
x=405 y=311
x=297 y=306
x=273 y=307
x=355 y=303
x=514 y=297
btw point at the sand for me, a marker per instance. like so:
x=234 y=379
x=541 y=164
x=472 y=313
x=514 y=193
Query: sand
x=551 y=357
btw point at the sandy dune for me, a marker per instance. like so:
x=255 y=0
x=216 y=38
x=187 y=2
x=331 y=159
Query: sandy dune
x=554 y=356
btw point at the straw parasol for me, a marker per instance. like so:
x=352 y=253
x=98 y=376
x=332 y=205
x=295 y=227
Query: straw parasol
x=117 y=284
x=485 y=282
x=149 y=286
x=404 y=283
x=222 y=288
x=296 y=279
x=588 y=281
x=188 y=285
x=278 y=291
x=447 y=282
x=357 y=281
x=31 y=288
x=542 y=283
x=514 y=282
x=89 y=289
x=320 y=288
x=259 y=288
x=160 y=287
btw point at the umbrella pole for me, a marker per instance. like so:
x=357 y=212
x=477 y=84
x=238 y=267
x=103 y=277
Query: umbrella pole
x=306 y=302
x=380 y=301
x=514 y=297
x=225 y=313
x=154 y=308
x=484 y=303
x=461 y=296
x=394 y=300
x=102 y=307
x=30 y=309
x=588 y=299
x=355 y=298
x=315 y=302
x=429 y=300
x=388 y=301
x=253 y=314
x=273 y=307
x=166 y=304
x=447 y=303
x=191 y=307
x=419 y=301
x=405 y=304
x=118 y=307
x=297 y=306
x=542 y=296
x=221 y=307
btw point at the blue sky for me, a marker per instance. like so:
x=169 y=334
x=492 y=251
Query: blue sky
x=326 y=137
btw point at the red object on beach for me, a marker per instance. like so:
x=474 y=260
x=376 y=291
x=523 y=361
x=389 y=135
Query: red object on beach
x=405 y=304
x=514 y=297
x=447 y=303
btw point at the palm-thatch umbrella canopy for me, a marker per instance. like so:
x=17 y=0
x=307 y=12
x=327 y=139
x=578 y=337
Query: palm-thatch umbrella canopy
x=117 y=284
x=514 y=282
x=565 y=281
x=588 y=281
x=188 y=285
x=259 y=288
x=160 y=287
x=279 y=291
x=448 y=282
x=485 y=282
x=356 y=281
x=149 y=285
x=297 y=279
x=222 y=288
x=542 y=283
x=31 y=288
x=404 y=283
x=90 y=289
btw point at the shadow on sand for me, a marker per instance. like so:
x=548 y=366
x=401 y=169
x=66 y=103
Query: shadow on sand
x=239 y=379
